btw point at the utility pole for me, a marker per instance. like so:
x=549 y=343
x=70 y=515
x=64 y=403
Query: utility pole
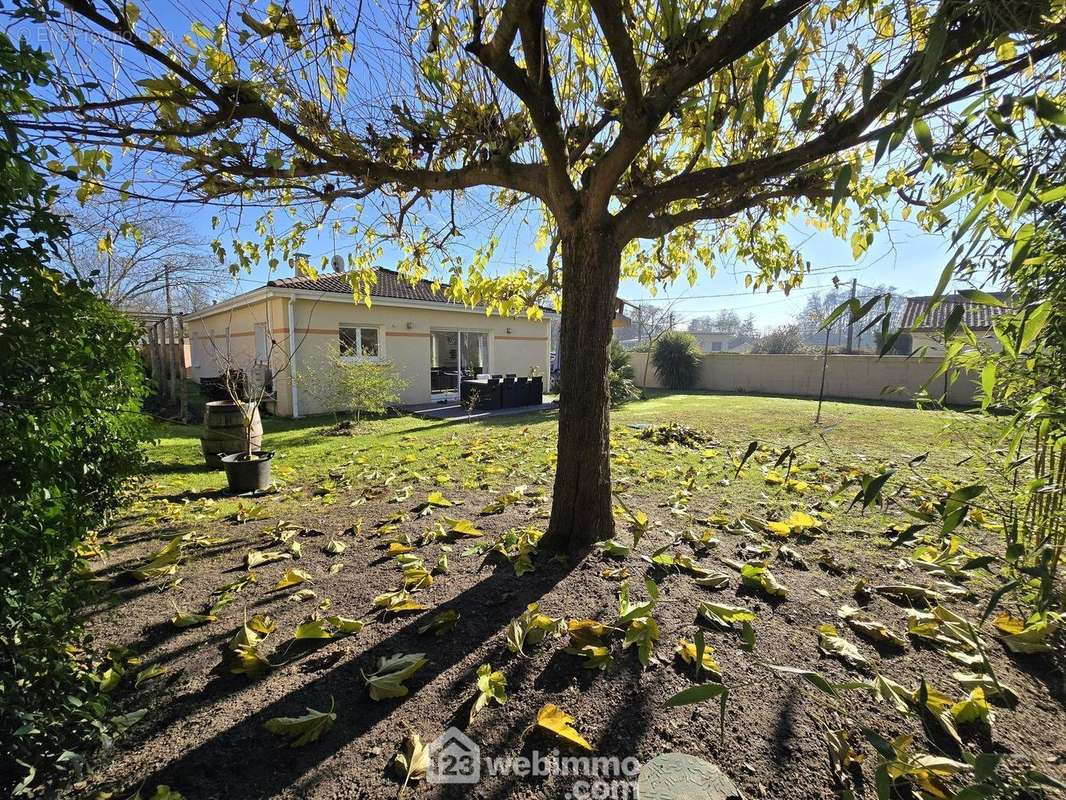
x=851 y=321
x=172 y=352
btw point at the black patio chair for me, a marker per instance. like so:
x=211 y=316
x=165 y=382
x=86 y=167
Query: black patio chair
x=490 y=395
x=535 y=391
x=514 y=393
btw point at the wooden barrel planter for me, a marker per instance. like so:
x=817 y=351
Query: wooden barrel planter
x=224 y=431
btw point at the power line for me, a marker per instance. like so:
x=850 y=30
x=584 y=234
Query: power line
x=728 y=294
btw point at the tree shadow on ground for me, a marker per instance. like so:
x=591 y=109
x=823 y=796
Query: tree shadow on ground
x=221 y=766
x=628 y=724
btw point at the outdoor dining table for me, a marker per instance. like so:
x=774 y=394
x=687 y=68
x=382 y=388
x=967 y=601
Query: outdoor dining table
x=501 y=392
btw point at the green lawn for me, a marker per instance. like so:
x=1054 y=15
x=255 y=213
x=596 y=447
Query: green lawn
x=850 y=433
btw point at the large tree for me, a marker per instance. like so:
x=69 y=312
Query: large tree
x=651 y=138
x=136 y=257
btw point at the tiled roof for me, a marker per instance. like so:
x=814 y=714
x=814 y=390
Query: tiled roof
x=389 y=284
x=975 y=315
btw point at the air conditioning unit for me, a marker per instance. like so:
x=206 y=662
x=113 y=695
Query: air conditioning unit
x=338 y=263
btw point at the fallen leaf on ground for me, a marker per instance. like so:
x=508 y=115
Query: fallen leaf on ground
x=388 y=679
x=294 y=577
x=302 y=730
x=556 y=721
x=412 y=761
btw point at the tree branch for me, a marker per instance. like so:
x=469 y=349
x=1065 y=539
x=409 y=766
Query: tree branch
x=658 y=225
x=848 y=132
x=620 y=44
x=533 y=87
x=748 y=27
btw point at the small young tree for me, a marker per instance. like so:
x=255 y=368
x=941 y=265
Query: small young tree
x=369 y=387
x=676 y=358
x=357 y=386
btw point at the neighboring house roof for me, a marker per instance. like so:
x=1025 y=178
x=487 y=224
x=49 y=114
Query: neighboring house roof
x=977 y=316
x=389 y=284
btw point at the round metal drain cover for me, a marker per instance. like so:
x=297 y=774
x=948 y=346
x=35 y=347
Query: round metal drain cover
x=677 y=776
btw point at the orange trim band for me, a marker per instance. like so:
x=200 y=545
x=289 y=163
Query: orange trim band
x=407 y=333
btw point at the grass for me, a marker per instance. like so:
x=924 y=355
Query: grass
x=848 y=431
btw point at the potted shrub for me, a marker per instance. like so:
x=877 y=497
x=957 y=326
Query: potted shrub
x=234 y=431
x=248 y=470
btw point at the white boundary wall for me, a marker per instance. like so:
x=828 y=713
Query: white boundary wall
x=890 y=379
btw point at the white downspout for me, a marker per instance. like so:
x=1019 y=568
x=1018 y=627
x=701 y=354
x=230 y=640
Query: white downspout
x=548 y=363
x=292 y=359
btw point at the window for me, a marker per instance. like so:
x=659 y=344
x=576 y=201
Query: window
x=716 y=347
x=359 y=342
x=261 y=350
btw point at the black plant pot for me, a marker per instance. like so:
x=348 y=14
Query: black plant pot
x=248 y=474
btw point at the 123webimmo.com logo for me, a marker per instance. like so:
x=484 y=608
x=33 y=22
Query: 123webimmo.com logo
x=454 y=758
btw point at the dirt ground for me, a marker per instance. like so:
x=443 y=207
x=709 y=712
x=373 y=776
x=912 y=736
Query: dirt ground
x=204 y=736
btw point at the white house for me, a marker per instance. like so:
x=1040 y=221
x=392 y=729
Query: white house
x=296 y=323
x=719 y=342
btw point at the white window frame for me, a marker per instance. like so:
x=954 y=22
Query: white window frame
x=359 y=328
x=716 y=347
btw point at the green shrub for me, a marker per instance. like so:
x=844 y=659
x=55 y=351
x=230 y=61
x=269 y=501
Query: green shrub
x=70 y=424
x=621 y=375
x=676 y=358
x=356 y=386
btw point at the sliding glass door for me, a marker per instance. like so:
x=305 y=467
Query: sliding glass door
x=444 y=363
x=455 y=355
x=473 y=353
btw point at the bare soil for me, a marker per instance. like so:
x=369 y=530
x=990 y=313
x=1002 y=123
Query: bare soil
x=204 y=735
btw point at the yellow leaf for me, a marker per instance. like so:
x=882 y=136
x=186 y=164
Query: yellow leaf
x=883 y=23
x=799 y=519
x=312 y=630
x=412 y=761
x=554 y=720
x=687 y=651
x=396 y=549
x=294 y=577
x=779 y=528
x=1008 y=624
x=438 y=499
x=465 y=527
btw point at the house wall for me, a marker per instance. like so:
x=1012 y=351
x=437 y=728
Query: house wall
x=934 y=342
x=514 y=345
x=226 y=339
x=892 y=378
x=724 y=340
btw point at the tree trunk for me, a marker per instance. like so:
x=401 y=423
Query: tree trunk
x=581 y=503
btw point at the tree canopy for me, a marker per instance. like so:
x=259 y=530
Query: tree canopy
x=698 y=129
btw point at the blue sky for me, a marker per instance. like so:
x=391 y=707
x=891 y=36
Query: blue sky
x=902 y=256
